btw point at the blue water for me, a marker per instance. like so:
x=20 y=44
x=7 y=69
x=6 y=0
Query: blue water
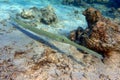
x=114 y=3
x=68 y=20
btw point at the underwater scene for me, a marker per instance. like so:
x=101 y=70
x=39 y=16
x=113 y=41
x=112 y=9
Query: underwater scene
x=59 y=39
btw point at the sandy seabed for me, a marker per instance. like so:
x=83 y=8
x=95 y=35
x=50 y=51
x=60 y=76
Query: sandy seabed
x=23 y=58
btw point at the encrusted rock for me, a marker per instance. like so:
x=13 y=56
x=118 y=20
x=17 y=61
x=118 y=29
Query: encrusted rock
x=92 y=16
x=48 y=15
x=102 y=34
x=76 y=34
x=26 y=14
x=44 y=15
x=113 y=60
x=29 y=13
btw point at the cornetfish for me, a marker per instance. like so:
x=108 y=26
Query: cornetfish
x=56 y=37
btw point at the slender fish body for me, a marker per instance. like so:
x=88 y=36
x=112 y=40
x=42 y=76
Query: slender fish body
x=56 y=37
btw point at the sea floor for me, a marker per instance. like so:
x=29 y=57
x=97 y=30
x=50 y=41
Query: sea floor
x=23 y=58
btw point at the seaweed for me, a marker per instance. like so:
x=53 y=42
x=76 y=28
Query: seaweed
x=56 y=37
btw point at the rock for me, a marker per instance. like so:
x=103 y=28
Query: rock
x=48 y=15
x=102 y=35
x=76 y=34
x=73 y=35
x=48 y=56
x=113 y=59
x=44 y=15
x=27 y=14
x=93 y=16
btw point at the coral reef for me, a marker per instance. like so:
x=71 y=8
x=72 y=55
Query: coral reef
x=98 y=1
x=82 y=2
x=102 y=34
x=74 y=2
x=44 y=15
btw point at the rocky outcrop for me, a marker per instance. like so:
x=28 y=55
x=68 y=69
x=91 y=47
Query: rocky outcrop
x=92 y=16
x=102 y=35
